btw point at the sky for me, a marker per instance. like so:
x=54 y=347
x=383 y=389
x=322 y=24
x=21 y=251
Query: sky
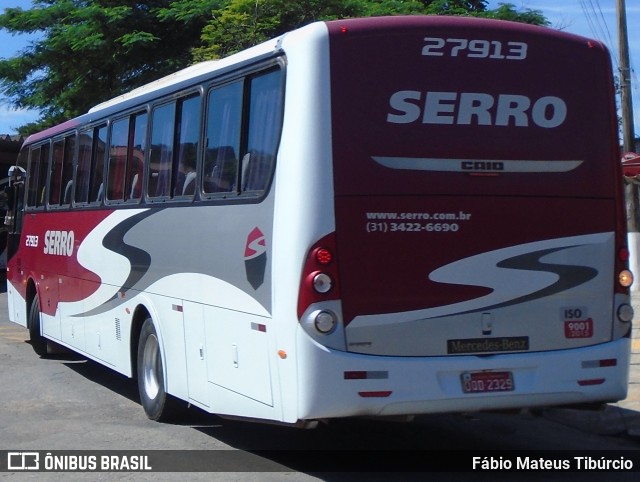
x=596 y=19
x=591 y=18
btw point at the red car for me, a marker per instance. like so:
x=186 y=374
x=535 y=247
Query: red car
x=631 y=164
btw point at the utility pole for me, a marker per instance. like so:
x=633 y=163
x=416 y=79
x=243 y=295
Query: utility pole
x=628 y=142
x=628 y=134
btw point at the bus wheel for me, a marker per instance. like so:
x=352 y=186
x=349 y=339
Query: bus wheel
x=156 y=402
x=38 y=342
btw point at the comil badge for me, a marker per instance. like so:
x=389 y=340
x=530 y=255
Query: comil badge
x=255 y=258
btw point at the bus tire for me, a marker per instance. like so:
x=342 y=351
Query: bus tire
x=38 y=342
x=157 y=403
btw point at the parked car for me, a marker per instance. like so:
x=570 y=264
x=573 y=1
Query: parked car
x=631 y=164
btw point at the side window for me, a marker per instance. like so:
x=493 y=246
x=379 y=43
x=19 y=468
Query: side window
x=38 y=166
x=175 y=130
x=265 y=119
x=67 y=169
x=56 y=172
x=34 y=171
x=91 y=150
x=60 y=184
x=99 y=149
x=223 y=127
x=161 y=158
x=117 y=159
x=135 y=157
x=83 y=172
x=189 y=133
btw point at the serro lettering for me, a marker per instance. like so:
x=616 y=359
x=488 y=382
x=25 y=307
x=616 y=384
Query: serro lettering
x=58 y=243
x=466 y=108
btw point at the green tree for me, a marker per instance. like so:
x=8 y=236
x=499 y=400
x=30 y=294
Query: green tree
x=239 y=24
x=455 y=7
x=91 y=50
x=507 y=11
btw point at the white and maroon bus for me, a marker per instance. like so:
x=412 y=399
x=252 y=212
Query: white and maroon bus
x=381 y=216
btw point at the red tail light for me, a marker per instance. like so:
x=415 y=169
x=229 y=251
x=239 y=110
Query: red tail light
x=625 y=277
x=319 y=281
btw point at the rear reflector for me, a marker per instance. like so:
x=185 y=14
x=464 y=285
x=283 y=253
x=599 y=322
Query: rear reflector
x=593 y=381
x=366 y=375
x=380 y=394
x=608 y=362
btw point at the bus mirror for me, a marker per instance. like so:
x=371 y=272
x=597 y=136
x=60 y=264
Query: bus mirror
x=16 y=175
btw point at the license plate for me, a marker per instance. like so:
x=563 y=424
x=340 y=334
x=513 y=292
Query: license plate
x=483 y=382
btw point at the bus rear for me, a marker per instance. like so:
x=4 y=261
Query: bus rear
x=479 y=224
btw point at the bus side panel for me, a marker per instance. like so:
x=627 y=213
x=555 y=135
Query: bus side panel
x=209 y=280
x=167 y=315
x=72 y=328
x=303 y=188
x=195 y=354
x=17 y=305
x=238 y=357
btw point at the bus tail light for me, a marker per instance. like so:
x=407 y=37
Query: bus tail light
x=625 y=277
x=319 y=280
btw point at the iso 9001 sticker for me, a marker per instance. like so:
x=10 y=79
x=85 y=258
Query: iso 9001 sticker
x=577 y=323
x=489 y=381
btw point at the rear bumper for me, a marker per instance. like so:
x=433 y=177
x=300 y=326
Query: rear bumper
x=386 y=385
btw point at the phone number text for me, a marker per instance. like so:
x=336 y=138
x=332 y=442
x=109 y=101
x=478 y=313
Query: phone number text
x=386 y=227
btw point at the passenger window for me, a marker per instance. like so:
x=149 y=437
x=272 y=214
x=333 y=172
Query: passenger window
x=41 y=166
x=224 y=122
x=56 y=172
x=61 y=181
x=265 y=119
x=189 y=129
x=136 y=155
x=83 y=172
x=67 y=169
x=161 y=157
x=37 y=175
x=117 y=159
x=96 y=193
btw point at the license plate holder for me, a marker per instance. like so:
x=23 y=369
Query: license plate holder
x=487 y=382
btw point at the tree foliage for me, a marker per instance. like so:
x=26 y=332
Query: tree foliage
x=91 y=50
x=88 y=51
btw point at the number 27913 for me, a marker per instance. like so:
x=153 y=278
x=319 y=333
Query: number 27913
x=482 y=49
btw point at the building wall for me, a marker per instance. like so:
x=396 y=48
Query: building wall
x=9 y=148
